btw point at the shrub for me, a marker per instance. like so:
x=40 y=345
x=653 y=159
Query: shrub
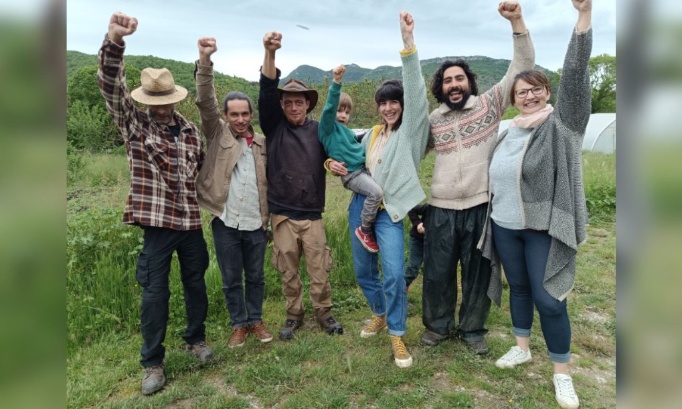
x=90 y=127
x=75 y=164
x=599 y=177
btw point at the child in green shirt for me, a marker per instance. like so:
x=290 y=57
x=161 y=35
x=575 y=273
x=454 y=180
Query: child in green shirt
x=341 y=144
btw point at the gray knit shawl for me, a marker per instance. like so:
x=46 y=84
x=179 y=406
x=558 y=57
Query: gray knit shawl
x=551 y=183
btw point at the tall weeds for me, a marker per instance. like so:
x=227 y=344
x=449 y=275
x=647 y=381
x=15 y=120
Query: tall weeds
x=103 y=295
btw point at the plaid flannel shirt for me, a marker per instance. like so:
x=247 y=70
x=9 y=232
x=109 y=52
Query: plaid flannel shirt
x=163 y=170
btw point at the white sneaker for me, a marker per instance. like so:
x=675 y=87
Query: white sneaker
x=565 y=394
x=515 y=356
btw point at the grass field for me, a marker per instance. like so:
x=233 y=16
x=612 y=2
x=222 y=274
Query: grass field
x=314 y=370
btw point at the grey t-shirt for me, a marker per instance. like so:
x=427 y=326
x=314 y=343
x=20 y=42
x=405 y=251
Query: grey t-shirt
x=504 y=175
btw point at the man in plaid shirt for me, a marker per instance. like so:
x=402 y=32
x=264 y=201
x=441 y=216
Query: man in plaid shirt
x=164 y=154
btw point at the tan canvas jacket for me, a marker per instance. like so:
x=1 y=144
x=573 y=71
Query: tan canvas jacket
x=223 y=151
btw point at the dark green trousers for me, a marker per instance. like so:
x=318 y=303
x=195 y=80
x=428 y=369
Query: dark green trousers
x=451 y=238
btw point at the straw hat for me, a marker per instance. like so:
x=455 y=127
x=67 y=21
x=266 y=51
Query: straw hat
x=298 y=86
x=158 y=88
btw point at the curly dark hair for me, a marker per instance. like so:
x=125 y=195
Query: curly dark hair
x=437 y=80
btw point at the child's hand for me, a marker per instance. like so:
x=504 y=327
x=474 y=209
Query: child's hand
x=338 y=73
x=338 y=168
x=420 y=228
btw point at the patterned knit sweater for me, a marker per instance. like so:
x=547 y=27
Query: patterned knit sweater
x=463 y=139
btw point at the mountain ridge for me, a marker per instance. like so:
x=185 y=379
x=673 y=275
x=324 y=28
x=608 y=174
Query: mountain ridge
x=489 y=70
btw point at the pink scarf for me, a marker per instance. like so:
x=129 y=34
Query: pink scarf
x=532 y=120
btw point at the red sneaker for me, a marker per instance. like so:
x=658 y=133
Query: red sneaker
x=367 y=241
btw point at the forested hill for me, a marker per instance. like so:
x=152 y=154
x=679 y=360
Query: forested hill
x=489 y=70
x=86 y=105
x=183 y=73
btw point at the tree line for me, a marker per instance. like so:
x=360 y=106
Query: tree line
x=90 y=128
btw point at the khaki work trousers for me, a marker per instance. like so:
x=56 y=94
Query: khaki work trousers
x=293 y=238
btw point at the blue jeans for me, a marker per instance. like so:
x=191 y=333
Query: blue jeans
x=362 y=182
x=416 y=259
x=388 y=296
x=523 y=254
x=237 y=251
x=153 y=270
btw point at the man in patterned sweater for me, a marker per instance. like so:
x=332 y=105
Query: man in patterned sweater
x=463 y=132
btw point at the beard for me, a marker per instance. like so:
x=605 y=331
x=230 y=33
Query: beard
x=161 y=120
x=456 y=106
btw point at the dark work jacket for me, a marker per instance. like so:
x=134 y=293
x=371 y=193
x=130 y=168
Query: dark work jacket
x=416 y=215
x=295 y=170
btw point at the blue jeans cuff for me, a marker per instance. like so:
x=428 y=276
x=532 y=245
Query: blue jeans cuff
x=396 y=333
x=520 y=332
x=559 y=358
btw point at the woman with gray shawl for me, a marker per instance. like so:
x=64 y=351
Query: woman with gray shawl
x=537 y=212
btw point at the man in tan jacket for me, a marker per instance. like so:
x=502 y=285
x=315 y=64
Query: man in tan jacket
x=232 y=186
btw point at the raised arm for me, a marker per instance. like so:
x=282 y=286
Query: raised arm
x=270 y=112
x=111 y=76
x=524 y=51
x=416 y=110
x=407 y=30
x=328 y=117
x=584 y=8
x=574 y=99
x=206 y=100
x=511 y=10
x=272 y=42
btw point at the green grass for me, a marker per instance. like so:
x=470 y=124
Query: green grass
x=314 y=370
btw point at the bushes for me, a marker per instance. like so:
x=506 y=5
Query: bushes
x=75 y=164
x=90 y=127
x=599 y=178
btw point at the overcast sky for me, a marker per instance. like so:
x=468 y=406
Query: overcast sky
x=363 y=32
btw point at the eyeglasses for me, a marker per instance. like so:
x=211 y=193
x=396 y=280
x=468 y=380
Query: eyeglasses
x=522 y=93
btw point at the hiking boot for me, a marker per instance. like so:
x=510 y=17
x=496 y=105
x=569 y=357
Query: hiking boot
x=432 y=339
x=238 y=337
x=515 y=356
x=261 y=332
x=200 y=351
x=287 y=331
x=331 y=326
x=367 y=241
x=402 y=358
x=154 y=379
x=378 y=323
x=565 y=394
x=479 y=346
